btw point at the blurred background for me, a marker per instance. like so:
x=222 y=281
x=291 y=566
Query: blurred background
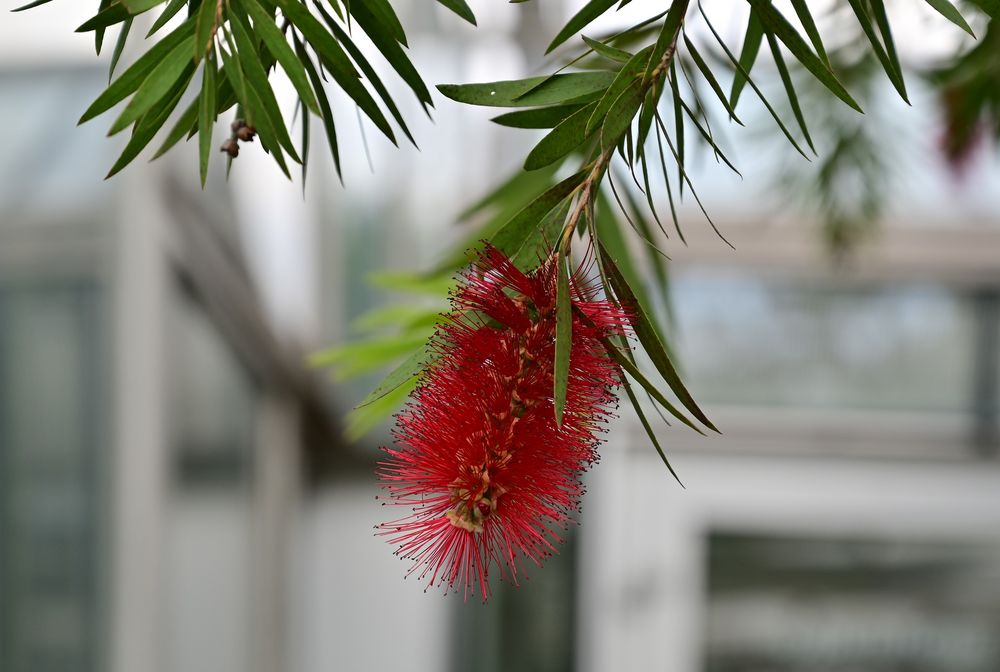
x=177 y=495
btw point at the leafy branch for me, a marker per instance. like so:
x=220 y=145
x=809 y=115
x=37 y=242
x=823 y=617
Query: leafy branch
x=631 y=105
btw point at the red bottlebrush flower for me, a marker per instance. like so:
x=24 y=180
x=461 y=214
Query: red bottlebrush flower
x=479 y=458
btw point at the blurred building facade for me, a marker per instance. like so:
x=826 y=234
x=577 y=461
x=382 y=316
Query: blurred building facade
x=172 y=496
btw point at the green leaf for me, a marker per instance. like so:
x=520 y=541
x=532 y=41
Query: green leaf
x=139 y=6
x=565 y=89
x=581 y=20
x=361 y=420
x=707 y=135
x=649 y=430
x=806 y=18
x=361 y=357
x=30 y=5
x=564 y=337
x=786 y=80
x=461 y=8
x=231 y=68
x=183 y=126
x=516 y=233
x=150 y=123
x=775 y=23
x=562 y=140
x=706 y=72
x=629 y=73
x=134 y=76
x=618 y=55
x=620 y=115
x=539 y=117
x=882 y=21
x=167 y=14
x=632 y=370
x=667 y=36
x=265 y=27
x=261 y=105
x=406 y=372
x=119 y=47
x=157 y=84
x=205 y=27
x=324 y=106
x=756 y=89
x=390 y=50
x=748 y=56
x=948 y=11
x=889 y=62
x=99 y=33
x=345 y=74
x=109 y=16
x=383 y=14
x=649 y=339
x=206 y=118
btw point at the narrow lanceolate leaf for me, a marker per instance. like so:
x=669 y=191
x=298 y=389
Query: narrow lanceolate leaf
x=119 y=48
x=706 y=72
x=402 y=374
x=756 y=89
x=667 y=37
x=168 y=13
x=30 y=5
x=882 y=21
x=567 y=89
x=205 y=26
x=630 y=72
x=649 y=338
x=948 y=11
x=149 y=124
x=631 y=369
x=809 y=23
x=389 y=47
x=135 y=75
x=748 y=56
x=619 y=117
x=324 y=106
x=206 y=117
x=886 y=57
x=581 y=20
x=461 y=8
x=609 y=52
x=157 y=84
x=260 y=104
x=542 y=117
x=385 y=15
x=564 y=337
x=793 y=98
x=265 y=27
x=109 y=16
x=139 y=6
x=648 y=429
x=373 y=79
x=776 y=23
x=563 y=139
x=518 y=231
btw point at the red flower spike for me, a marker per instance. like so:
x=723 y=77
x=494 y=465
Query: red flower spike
x=478 y=457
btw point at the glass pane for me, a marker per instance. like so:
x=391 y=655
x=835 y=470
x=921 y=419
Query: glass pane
x=209 y=507
x=896 y=347
x=50 y=503
x=822 y=605
x=529 y=630
x=51 y=168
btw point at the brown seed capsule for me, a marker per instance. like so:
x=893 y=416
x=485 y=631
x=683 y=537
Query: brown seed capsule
x=230 y=147
x=246 y=133
x=237 y=125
